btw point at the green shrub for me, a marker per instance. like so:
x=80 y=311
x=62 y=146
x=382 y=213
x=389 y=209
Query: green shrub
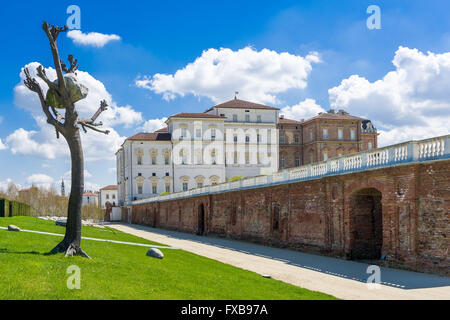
x=236 y=178
x=13 y=208
x=164 y=193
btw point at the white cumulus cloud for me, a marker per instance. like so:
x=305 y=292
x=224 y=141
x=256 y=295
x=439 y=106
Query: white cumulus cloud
x=94 y=39
x=411 y=102
x=306 y=109
x=2 y=145
x=40 y=180
x=153 y=125
x=217 y=74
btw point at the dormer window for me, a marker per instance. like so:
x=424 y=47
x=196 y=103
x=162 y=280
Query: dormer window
x=235 y=119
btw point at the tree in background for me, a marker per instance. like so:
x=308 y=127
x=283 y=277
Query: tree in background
x=63 y=93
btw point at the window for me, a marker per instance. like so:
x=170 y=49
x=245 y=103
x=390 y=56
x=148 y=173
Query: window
x=113 y=196
x=369 y=145
x=183 y=133
x=213 y=157
x=297 y=161
x=167 y=174
x=352 y=134
x=153 y=174
x=139 y=189
x=107 y=196
x=198 y=133
x=282 y=161
x=247 y=138
x=199 y=158
x=139 y=160
x=168 y=188
x=199 y=185
x=258 y=118
x=153 y=160
x=258 y=138
x=311 y=135
x=247 y=158
x=340 y=134
x=213 y=134
x=281 y=137
x=166 y=160
x=139 y=174
x=185 y=186
x=339 y=154
x=154 y=189
x=235 y=158
x=325 y=156
x=311 y=158
x=296 y=138
x=235 y=118
x=235 y=138
x=325 y=134
x=247 y=118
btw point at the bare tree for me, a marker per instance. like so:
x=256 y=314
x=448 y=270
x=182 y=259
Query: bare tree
x=62 y=93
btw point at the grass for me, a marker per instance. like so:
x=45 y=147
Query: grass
x=119 y=271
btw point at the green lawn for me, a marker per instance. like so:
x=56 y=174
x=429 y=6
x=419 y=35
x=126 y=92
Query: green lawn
x=119 y=271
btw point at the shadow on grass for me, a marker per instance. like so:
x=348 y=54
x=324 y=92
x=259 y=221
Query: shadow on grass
x=5 y=250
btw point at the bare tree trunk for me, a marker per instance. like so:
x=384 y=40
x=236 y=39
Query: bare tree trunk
x=71 y=243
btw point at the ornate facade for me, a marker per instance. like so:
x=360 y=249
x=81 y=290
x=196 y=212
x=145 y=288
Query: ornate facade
x=229 y=141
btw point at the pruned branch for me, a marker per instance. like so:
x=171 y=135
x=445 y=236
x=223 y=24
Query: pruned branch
x=30 y=82
x=41 y=74
x=55 y=31
x=90 y=123
x=94 y=128
x=52 y=33
x=103 y=107
x=73 y=65
x=34 y=86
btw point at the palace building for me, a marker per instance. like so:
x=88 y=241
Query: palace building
x=229 y=141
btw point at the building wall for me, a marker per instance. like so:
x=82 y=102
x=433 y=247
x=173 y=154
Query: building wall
x=326 y=215
x=204 y=159
x=110 y=196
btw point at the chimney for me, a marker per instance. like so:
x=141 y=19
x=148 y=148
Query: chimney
x=281 y=116
x=331 y=111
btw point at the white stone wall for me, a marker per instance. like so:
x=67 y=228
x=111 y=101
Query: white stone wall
x=110 y=196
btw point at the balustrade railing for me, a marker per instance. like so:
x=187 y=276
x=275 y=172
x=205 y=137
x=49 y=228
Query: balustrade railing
x=408 y=152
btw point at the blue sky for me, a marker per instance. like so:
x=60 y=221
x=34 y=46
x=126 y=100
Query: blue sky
x=165 y=36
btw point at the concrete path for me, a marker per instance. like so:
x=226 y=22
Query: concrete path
x=340 y=278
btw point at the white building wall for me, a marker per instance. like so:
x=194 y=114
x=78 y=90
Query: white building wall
x=196 y=153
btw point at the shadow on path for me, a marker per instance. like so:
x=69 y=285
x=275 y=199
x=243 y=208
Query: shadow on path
x=333 y=266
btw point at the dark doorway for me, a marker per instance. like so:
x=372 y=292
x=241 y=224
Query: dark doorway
x=201 y=219
x=366 y=229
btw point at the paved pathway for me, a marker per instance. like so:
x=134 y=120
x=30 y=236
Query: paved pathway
x=340 y=278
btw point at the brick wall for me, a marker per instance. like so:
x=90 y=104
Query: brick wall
x=400 y=212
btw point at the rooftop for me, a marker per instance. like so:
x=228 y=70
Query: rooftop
x=242 y=104
x=332 y=115
x=196 y=115
x=154 y=136
x=110 y=187
x=90 y=194
x=288 y=121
